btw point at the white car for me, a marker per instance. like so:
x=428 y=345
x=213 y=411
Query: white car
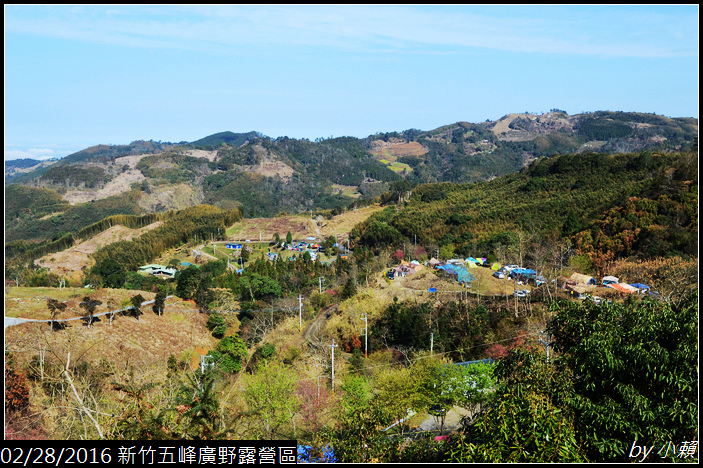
x=499 y=274
x=520 y=293
x=510 y=268
x=596 y=300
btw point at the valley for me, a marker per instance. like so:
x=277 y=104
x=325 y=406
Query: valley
x=454 y=272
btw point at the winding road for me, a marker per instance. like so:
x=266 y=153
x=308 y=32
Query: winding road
x=10 y=321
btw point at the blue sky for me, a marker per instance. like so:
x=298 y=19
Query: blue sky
x=77 y=76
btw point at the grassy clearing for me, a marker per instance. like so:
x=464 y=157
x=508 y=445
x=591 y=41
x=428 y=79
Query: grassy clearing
x=149 y=340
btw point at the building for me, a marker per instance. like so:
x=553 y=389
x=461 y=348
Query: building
x=150 y=268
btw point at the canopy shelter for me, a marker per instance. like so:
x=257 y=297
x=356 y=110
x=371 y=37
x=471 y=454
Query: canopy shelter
x=463 y=275
x=622 y=287
x=526 y=272
x=610 y=280
x=583 y=279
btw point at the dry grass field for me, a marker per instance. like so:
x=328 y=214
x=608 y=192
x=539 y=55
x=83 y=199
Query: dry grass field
x=70 y=261
x=128 y=341
x=300 y=226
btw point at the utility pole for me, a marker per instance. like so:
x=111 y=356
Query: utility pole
x=366 y=335
x=317 y=363
x=300 y=311
x=431 y=342
x=332 y=346
x=546 y=343
x=259 y=237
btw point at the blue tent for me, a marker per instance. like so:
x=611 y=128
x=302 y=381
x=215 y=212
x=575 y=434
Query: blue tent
x=641 y=287
x=526 y=272
x=463 y=275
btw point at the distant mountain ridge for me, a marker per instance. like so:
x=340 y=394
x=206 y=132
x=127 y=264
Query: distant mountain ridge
x=267 y=176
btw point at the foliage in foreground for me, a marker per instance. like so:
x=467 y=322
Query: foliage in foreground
x=624 y=373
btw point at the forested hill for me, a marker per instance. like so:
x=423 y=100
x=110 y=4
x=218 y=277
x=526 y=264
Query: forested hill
x=267 y=176
x=603 y=207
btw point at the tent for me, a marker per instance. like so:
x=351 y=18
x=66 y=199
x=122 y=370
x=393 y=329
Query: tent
x=610 y=280
x=471 y=265
x=495 y=266
x=473 y=260
x=642 y=287
x=526 y=272
x=622 y=287
x=583 y=279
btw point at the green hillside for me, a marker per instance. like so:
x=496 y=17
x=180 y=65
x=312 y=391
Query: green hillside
x=606 y=206
x=229 y=138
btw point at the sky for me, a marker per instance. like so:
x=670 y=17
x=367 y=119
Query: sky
x=78 y=76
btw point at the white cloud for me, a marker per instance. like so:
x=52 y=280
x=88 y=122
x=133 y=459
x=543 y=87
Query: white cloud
x=30 y=153
x=368 y=28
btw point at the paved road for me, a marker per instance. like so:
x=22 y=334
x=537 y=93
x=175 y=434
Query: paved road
x=9 y=321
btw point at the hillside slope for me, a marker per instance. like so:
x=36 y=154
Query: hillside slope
x=268 y=176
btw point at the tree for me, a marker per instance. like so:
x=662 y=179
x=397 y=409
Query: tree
x=159 y=302
x=315 y=401
x=259 y=287
x=229 y=355
x=637 y=367
x=111 y=272
x=289 y=237
x=477 y=386
x=442 y=385
x=199 y=409
x=399 y=391
x=188 y=282
x=56 y=308
x=140 y=421
x=245 y=254
x=528 y=420
x=571 y=224
x=136 y=302
x=271 y=390
x=89 y=305
x=358 y=439
x=349 y=289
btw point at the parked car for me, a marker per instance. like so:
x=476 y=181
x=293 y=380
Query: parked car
x=596 y=300
x=510 y=268
x=499 y=274
x=520 y=293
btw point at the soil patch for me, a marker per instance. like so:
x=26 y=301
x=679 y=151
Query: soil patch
x=121 y=183
x=75 y=258
x=391 y=150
